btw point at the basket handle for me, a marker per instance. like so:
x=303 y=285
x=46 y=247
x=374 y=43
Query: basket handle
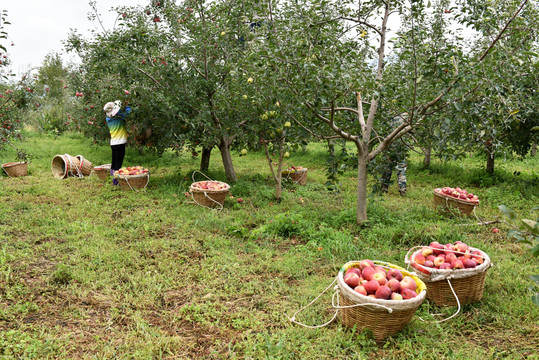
x=201 y=173
x=221 y=207
x=147 y=181
x=293 y=318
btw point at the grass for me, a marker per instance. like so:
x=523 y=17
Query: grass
x=88 y=271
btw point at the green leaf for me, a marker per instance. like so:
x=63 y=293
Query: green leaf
x=535 y=250
x=535 y=299
x=507 y=212
x=532 y=225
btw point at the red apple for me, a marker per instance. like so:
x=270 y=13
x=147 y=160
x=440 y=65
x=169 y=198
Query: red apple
x=477 y=256
x=394 y=274
x=383 y=292
x=394 y=285
x=351 y=279
x=437 y=247
x=361 y=290
x=408 y=294
x=429 y=264
x=445 y=266
x=439 y=261
x=353 y=269
x=408 y=283
x=426 y=251
x=367 y=273
x=380 y=270
x=396 y=296
x=420 y=259
x=461 y=247
x=495 y=230
x=469 y=263
x=371 y=286
x=366 y=263
x=457 y=264
x=449 y=258
x=381 y=278
x=431 y=258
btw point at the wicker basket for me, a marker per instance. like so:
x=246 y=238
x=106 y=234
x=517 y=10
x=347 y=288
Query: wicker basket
x=209 y=198
x=86 y=166
x=297 y=176
x=133 y=182
x=65 y=165
x=447 y=203
x=102 y=171
x=16 y=169
x=468 y=284
x=372 y=314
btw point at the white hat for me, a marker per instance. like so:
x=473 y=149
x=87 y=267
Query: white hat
x=112 y=108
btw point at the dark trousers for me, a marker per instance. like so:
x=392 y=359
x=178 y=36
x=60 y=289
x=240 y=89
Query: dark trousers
x=118 y=154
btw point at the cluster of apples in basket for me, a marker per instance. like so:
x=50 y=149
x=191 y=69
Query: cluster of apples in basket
x=294 y=168
x=209 y=185
x=131 y=170
x=446 y=257
x=375 y=281
x=458 y=193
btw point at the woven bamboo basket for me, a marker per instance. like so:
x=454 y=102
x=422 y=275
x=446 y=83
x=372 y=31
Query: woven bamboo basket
x=297 y=176
x=467 y=284
x=16 y=169
x=133 y=182
x=447 y=203
x=209 y=198
x=64 y=166
x=367 y=313
x=86 y=166
x=102 y=171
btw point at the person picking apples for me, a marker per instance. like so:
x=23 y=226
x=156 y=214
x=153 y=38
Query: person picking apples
x=118 y=133
x=395 y=160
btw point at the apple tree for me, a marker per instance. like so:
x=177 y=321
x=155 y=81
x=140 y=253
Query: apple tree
x=331 y=59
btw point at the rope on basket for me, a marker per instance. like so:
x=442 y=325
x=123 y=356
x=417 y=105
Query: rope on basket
x=337 y=307
x=72 y=165
x=147 y=181
x=221 y=207
x=303 y=173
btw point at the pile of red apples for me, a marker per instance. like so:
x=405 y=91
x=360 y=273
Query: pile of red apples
x=131 y=170
x=209 y=185
x=458 y=193
x=446 y=257
x=375 y=281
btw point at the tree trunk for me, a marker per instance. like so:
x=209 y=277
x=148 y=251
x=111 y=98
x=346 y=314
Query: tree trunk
x=426 y=159
x=361 y=208
x=490 y=158
x=224 y=148
x=534 y=148
x=205 y=159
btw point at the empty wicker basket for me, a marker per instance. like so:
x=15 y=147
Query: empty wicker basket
x=383 y=317
x=16 y=169
x=86 y=165
x=65 y=165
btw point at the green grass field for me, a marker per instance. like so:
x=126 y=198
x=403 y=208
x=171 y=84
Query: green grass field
x=88 y=271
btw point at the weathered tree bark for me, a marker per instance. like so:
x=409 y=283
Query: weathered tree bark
x=361 y=205
x=205 y=159
x=490 y=157
x=224 y=148
x=534 y=149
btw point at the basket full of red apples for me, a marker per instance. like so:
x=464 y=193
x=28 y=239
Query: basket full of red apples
x=455 y=198
x=454 y=273
x=209 y=193
x=378 y=296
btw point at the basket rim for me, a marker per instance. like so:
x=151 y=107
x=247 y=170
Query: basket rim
x=288 y=171
x=462 y=273
x=460 y=201
x=400 y=305
x=195 y=189
x=14 y=164
x=132 y=176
